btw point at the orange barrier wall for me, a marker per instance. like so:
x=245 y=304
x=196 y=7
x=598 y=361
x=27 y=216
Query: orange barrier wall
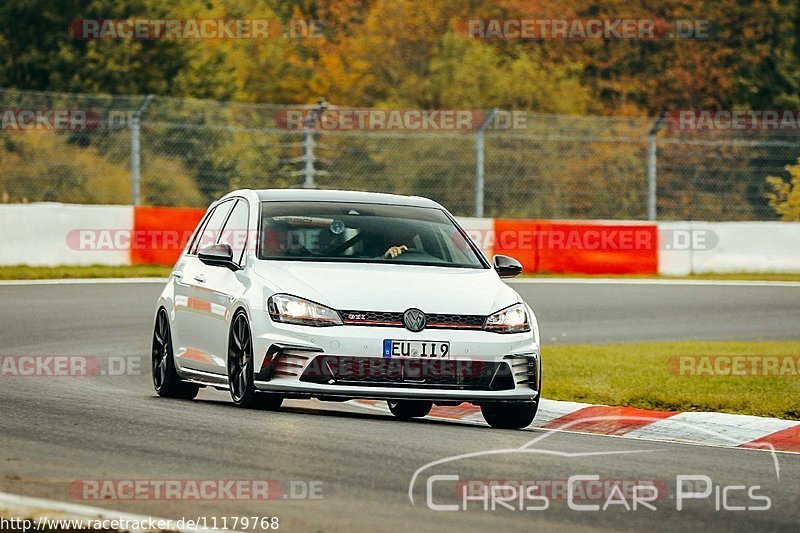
x=544 y=246
x=517 y=238
x=161 y=233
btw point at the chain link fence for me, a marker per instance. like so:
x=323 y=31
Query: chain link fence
x=79 y=148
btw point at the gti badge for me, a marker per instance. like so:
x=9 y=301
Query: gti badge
x=414 y=320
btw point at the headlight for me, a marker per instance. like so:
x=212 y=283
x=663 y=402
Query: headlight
x=294 y=310
x=513 y=319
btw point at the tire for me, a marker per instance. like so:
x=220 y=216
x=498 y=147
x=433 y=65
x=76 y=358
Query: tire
x=166 y=381
x=240 y=368
x=408 y=409
x=511 y=415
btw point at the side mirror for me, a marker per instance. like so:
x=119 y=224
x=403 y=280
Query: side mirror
x=218 y=255
x=507 y=267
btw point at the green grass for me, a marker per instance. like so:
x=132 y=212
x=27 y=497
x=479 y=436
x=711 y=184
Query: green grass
x=740 y=276
x=77 y=272
x=744 y=276
x=638 y=375
x=152 y=271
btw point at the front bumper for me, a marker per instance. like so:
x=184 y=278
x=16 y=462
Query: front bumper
x=303 y=362
x=347 y=392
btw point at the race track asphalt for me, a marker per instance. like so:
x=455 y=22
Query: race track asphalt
x=56 y=430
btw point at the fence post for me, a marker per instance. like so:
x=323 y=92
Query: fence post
x=135 y=126
x=651 y=177
x=309 y=171
x=479 y=176
x=308 y=158
x=651 y=167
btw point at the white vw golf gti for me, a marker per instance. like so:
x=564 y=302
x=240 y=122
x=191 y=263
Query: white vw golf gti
x=338 y=295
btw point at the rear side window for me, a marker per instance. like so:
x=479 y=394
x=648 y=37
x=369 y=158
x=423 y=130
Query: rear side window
x=212 y=228
x=235 y=231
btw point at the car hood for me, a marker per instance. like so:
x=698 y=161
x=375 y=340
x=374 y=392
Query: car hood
x=375 y=287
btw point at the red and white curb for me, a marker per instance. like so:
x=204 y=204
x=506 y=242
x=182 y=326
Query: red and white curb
x=710 y=429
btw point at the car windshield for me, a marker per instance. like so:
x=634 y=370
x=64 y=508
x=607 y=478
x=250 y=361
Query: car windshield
x=363 y=233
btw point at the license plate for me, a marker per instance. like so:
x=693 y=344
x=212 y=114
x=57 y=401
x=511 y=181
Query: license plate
x=416 y=349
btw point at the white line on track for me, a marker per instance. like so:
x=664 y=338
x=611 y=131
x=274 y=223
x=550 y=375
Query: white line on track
x=654 y=281
x=523 y=281
x=82 y=281
x=33 y=508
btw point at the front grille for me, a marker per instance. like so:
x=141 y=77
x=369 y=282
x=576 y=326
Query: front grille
x=394 y=319
x=372 y=318
x=456 y=321
x=410 y=373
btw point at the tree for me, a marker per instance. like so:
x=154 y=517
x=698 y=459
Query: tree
x=785 y=196
x=40 y=54
x=471 y=74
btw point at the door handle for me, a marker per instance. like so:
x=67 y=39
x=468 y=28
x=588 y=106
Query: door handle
x=200 y=278
x=177 y=274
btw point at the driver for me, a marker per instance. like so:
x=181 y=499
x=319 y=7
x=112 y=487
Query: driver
x=395 y=251
x=379 y=244
x=398 y=249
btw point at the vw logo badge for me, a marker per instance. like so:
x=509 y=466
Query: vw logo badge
x=414 y=320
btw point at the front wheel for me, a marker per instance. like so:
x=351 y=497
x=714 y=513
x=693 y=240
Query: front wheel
x=509 y=415
x=166 y=381
x=240 y=368
x=408 y=409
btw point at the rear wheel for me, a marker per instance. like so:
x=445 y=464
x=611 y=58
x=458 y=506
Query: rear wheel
x=408 y=409
x=240 y=368
x=509 y=415
x=166 y=381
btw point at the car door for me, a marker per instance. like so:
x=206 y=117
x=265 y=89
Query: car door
x=219 y=290
x=192 y=305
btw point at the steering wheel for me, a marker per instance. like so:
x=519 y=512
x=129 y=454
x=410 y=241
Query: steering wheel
x=411 y=252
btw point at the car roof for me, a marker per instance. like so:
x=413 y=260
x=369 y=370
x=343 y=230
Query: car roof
x=317 y=195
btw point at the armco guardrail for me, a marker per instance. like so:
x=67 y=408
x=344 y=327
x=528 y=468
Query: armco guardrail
x=725 y=247
x=46 y=234
x=61 y=234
